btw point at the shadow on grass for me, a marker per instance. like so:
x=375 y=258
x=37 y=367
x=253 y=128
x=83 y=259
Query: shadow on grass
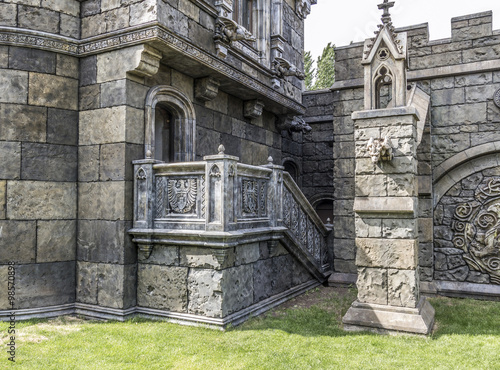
x=466 y=317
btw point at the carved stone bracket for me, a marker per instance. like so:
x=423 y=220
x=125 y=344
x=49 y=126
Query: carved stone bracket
x=227 y=31
x=303 y=7
x=496 y=98
x=380 y=149
x=293 y=124
x=146 y=250
x=206 y=88
x=149 y=62
x=253 y=108
x=221 y=255
x=283 y=68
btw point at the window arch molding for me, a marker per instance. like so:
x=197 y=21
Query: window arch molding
x=297 y=167
x=184 y=117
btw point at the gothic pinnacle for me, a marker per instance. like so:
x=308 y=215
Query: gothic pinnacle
x=385 y=6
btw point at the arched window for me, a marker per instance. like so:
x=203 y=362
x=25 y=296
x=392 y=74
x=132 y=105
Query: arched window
x=291 y=168
x=383 y=88
x=170 y=130
x=324 y=209
x=164 y=137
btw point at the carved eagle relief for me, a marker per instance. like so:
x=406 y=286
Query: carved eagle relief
x=182 y=195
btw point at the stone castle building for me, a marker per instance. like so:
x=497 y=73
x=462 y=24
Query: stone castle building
x=160 y=158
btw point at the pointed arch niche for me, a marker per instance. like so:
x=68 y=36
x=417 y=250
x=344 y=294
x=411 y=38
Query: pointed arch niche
x=170 y=125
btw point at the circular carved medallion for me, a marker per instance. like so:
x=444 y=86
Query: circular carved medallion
x=383 y=54
x=496 y=98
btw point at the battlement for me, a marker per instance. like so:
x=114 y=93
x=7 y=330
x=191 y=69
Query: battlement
x=472 y=40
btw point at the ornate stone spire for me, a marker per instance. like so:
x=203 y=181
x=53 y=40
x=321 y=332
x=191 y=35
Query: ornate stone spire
x=386 y=5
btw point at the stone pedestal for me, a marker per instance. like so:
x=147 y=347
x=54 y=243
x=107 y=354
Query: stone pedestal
x=386 y=220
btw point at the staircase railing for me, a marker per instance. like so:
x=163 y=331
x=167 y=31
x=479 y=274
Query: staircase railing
x=219 y=203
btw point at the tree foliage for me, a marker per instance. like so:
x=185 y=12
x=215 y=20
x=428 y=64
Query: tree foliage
x=323 y=76
x=309 y=70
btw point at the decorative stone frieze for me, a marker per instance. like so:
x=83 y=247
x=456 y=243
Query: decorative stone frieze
x=475 y=230
x=496 y=98
x=253 y=108
x=206 y=88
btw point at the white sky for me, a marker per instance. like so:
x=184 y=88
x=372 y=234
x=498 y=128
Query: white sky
x=341 y=22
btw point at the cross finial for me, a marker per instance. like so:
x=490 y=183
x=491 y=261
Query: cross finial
x=386 y=5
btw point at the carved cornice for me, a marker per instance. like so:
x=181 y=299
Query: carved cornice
x=140 y=35
x=38 y=40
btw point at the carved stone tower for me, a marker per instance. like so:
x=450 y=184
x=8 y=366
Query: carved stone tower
x=386 y=203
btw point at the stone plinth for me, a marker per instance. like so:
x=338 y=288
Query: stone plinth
x=386 y=225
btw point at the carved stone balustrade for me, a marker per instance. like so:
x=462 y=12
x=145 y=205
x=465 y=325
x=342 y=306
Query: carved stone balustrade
x=245 y=233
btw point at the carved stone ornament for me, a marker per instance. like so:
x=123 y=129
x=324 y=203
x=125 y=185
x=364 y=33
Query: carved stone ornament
x=182 y=195
x=253 y=108
x=293 y=124
x=206 y=88
x=215 y=171
x=282 y=68
x=250 y=196
x=303 y=8
x=227 y=30
x=141 y=174
x=496 y=98
x=146 y=250
x=476 y=227
x=380 y=149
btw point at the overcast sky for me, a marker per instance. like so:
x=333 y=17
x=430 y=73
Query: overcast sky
x=341 y=22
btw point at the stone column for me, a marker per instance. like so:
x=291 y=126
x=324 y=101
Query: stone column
x=386 y=207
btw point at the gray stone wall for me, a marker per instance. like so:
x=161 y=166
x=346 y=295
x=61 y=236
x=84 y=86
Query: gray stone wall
x=192 y=280
x=38 y=147
x=461 y=74
x=61 y=17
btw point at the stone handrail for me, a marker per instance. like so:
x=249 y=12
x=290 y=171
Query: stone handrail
x=220 y=203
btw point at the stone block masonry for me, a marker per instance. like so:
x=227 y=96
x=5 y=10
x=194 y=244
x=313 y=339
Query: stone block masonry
x=38 y=147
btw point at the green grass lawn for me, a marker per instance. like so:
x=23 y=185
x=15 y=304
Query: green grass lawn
x=306 y=334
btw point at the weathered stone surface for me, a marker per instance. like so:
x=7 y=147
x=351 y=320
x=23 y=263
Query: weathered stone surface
x=263 y=271
x=105 y=241
x=56 y=241
x=62 y=127
x=88 y=163
x=10 y=152
x=386 y=253
x=425 y=254
x=299 y=274
x=68 y=66
x=3 y=191
x=90 y=97
x=142 y=12
x=8 y=14
x=116 y=159
x=205 y=292
x=86 y=282
x=46 y=284
x=372 y=285
x=246 y=254
x=348 y=267
x=371 y=185
x=111 y=125
x=38 y=19
x=53 y=91
x=105 y=200
x=402 y=288
x=399 y=228
x=164 y=287
x=204 y=258
x=237 y=289
x=161 y=255
x=70 y=26
x=13 y=86
x=49 y=162
x=32 y=60
x=22 y=123
x=116 y=285
x=18 y=241
x=46 y=200
x=88 y=70
x=344 y=249
x=368 y=227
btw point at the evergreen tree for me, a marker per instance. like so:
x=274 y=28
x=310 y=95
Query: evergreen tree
x=325 y=73
x=309 y=70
